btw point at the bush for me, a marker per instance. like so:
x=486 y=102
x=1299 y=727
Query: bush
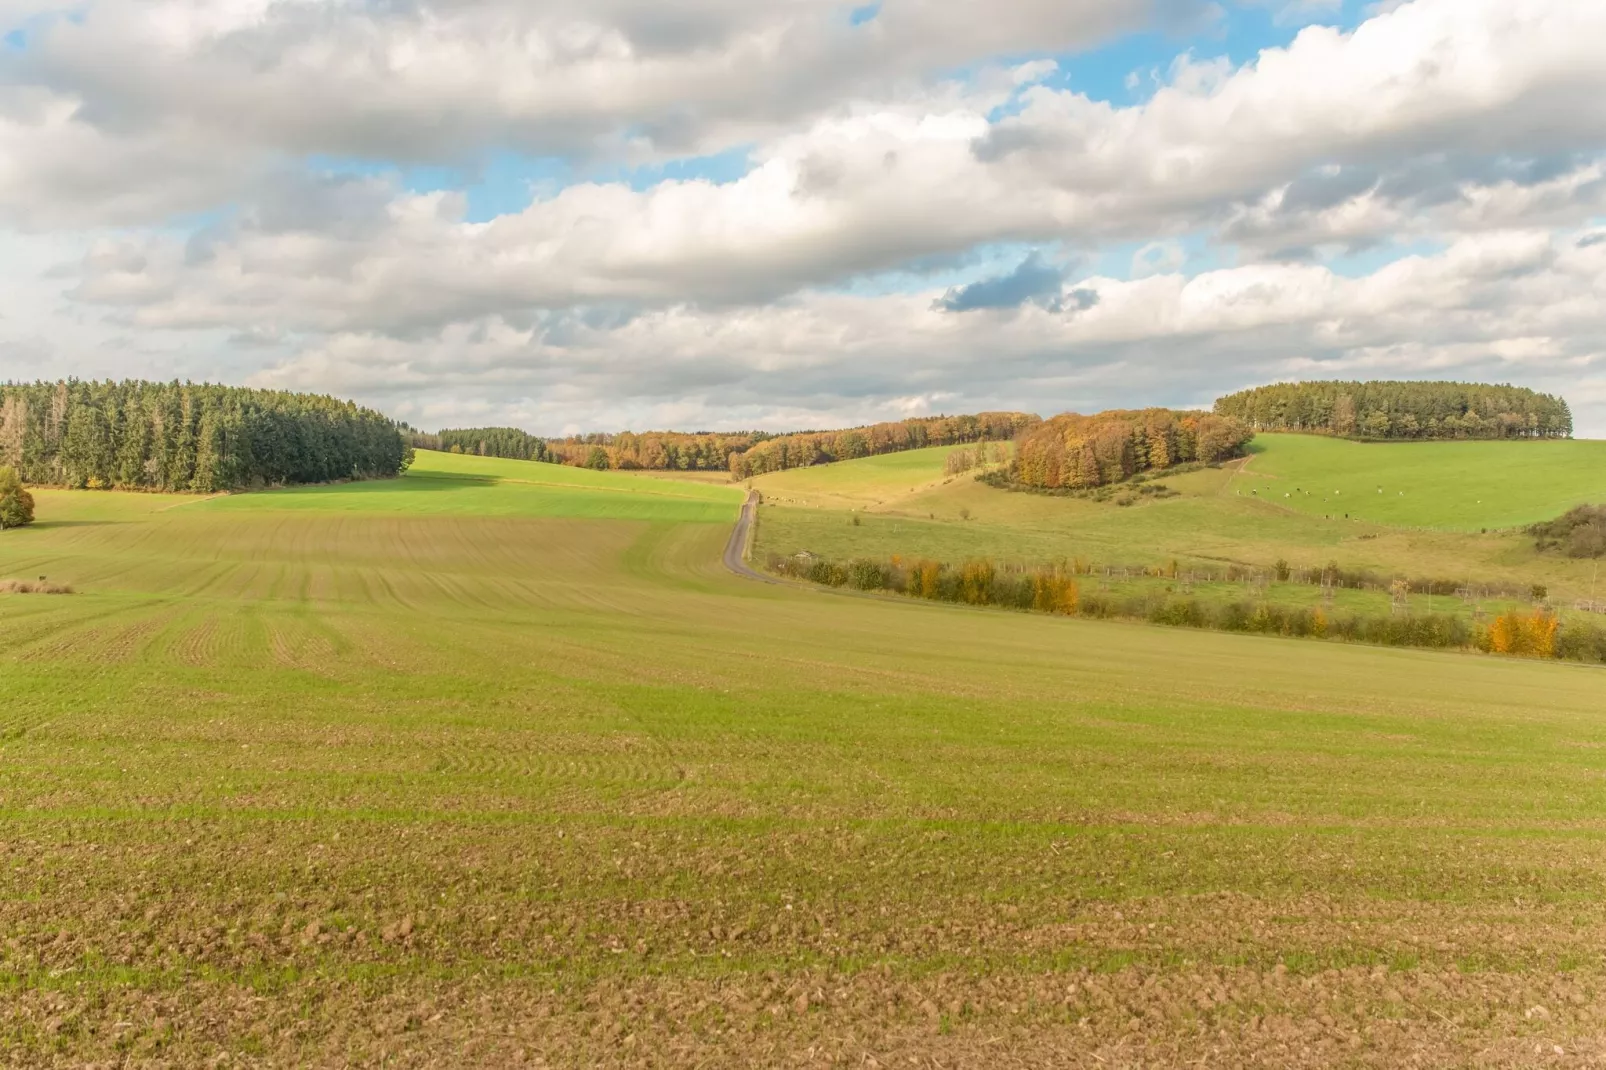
x=16 y=504
x=1579 y=532
x=866 y=575
x=1577 y=641
x=1054 y=589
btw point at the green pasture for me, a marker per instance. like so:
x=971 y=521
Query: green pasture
x=452 y=484
x=1462 y=486
x=495 y=763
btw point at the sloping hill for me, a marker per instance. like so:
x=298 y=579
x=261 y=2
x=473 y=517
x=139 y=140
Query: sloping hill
x=1224 y=515
x=876 y=483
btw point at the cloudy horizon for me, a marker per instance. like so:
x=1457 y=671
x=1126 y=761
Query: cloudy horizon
x=571 y=216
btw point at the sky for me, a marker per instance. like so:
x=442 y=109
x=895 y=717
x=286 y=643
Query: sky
x=593 y=215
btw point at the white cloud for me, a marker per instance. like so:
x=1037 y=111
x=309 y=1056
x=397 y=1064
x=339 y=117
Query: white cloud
x=1503 y=306
x=439 y=79
x=1474 y=126
x=1336 y=141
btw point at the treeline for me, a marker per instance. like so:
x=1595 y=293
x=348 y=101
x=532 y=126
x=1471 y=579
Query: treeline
x=1073 y=451
x=654 y=451
x=1055 y=589
x=189 y=436
x=1388 y=410
x=809 y=448
x=742 y=453
x=509 y=442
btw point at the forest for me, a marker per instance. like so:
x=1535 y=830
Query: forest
x=742 y=453
x=1076 y=452
x=189 y=436
x=1383 y=410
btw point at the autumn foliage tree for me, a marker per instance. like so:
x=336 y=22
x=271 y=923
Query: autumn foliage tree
x=1531 y=634
x=1073 y=451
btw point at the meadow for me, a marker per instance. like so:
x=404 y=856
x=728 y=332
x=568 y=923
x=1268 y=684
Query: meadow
x=495 y=764
x=1458 y=486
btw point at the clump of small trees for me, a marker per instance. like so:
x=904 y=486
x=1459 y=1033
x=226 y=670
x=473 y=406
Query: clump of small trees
x=1579 y=532
x=16 y=504
x=1075 y=452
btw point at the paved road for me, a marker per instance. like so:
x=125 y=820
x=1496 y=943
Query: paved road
x=736 y=548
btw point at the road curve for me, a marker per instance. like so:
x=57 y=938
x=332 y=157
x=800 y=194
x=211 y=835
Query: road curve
x=736 y=547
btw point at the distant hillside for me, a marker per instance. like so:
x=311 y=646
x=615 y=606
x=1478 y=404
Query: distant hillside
x=1401 y=410
x=189 y=436
x=742 y=453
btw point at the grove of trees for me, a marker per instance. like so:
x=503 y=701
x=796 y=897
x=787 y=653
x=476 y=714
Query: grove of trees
x=1401 y=410
x=1075 y=452
x=189 y=436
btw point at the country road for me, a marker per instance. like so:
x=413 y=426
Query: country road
x=736 y=547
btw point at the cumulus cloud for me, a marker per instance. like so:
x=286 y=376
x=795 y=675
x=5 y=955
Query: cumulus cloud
x=1504 y=306
x=434 y=79
x=1254 y=155
x=170 y=138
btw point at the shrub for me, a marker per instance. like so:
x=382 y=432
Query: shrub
x=1524 y=634
x=16 y=504
x=1579 y=532
x=1054 y=589
x=866 y=575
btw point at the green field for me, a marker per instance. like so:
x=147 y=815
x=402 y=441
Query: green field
x=494 y=764
x=869 y=483
x=1462 y=486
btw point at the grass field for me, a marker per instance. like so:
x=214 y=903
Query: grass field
x=494 y=764
x=1464 y=486
x=1213 y=521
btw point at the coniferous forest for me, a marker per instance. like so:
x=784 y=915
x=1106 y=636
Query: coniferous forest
x=1401 y=410
x=189 y=436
